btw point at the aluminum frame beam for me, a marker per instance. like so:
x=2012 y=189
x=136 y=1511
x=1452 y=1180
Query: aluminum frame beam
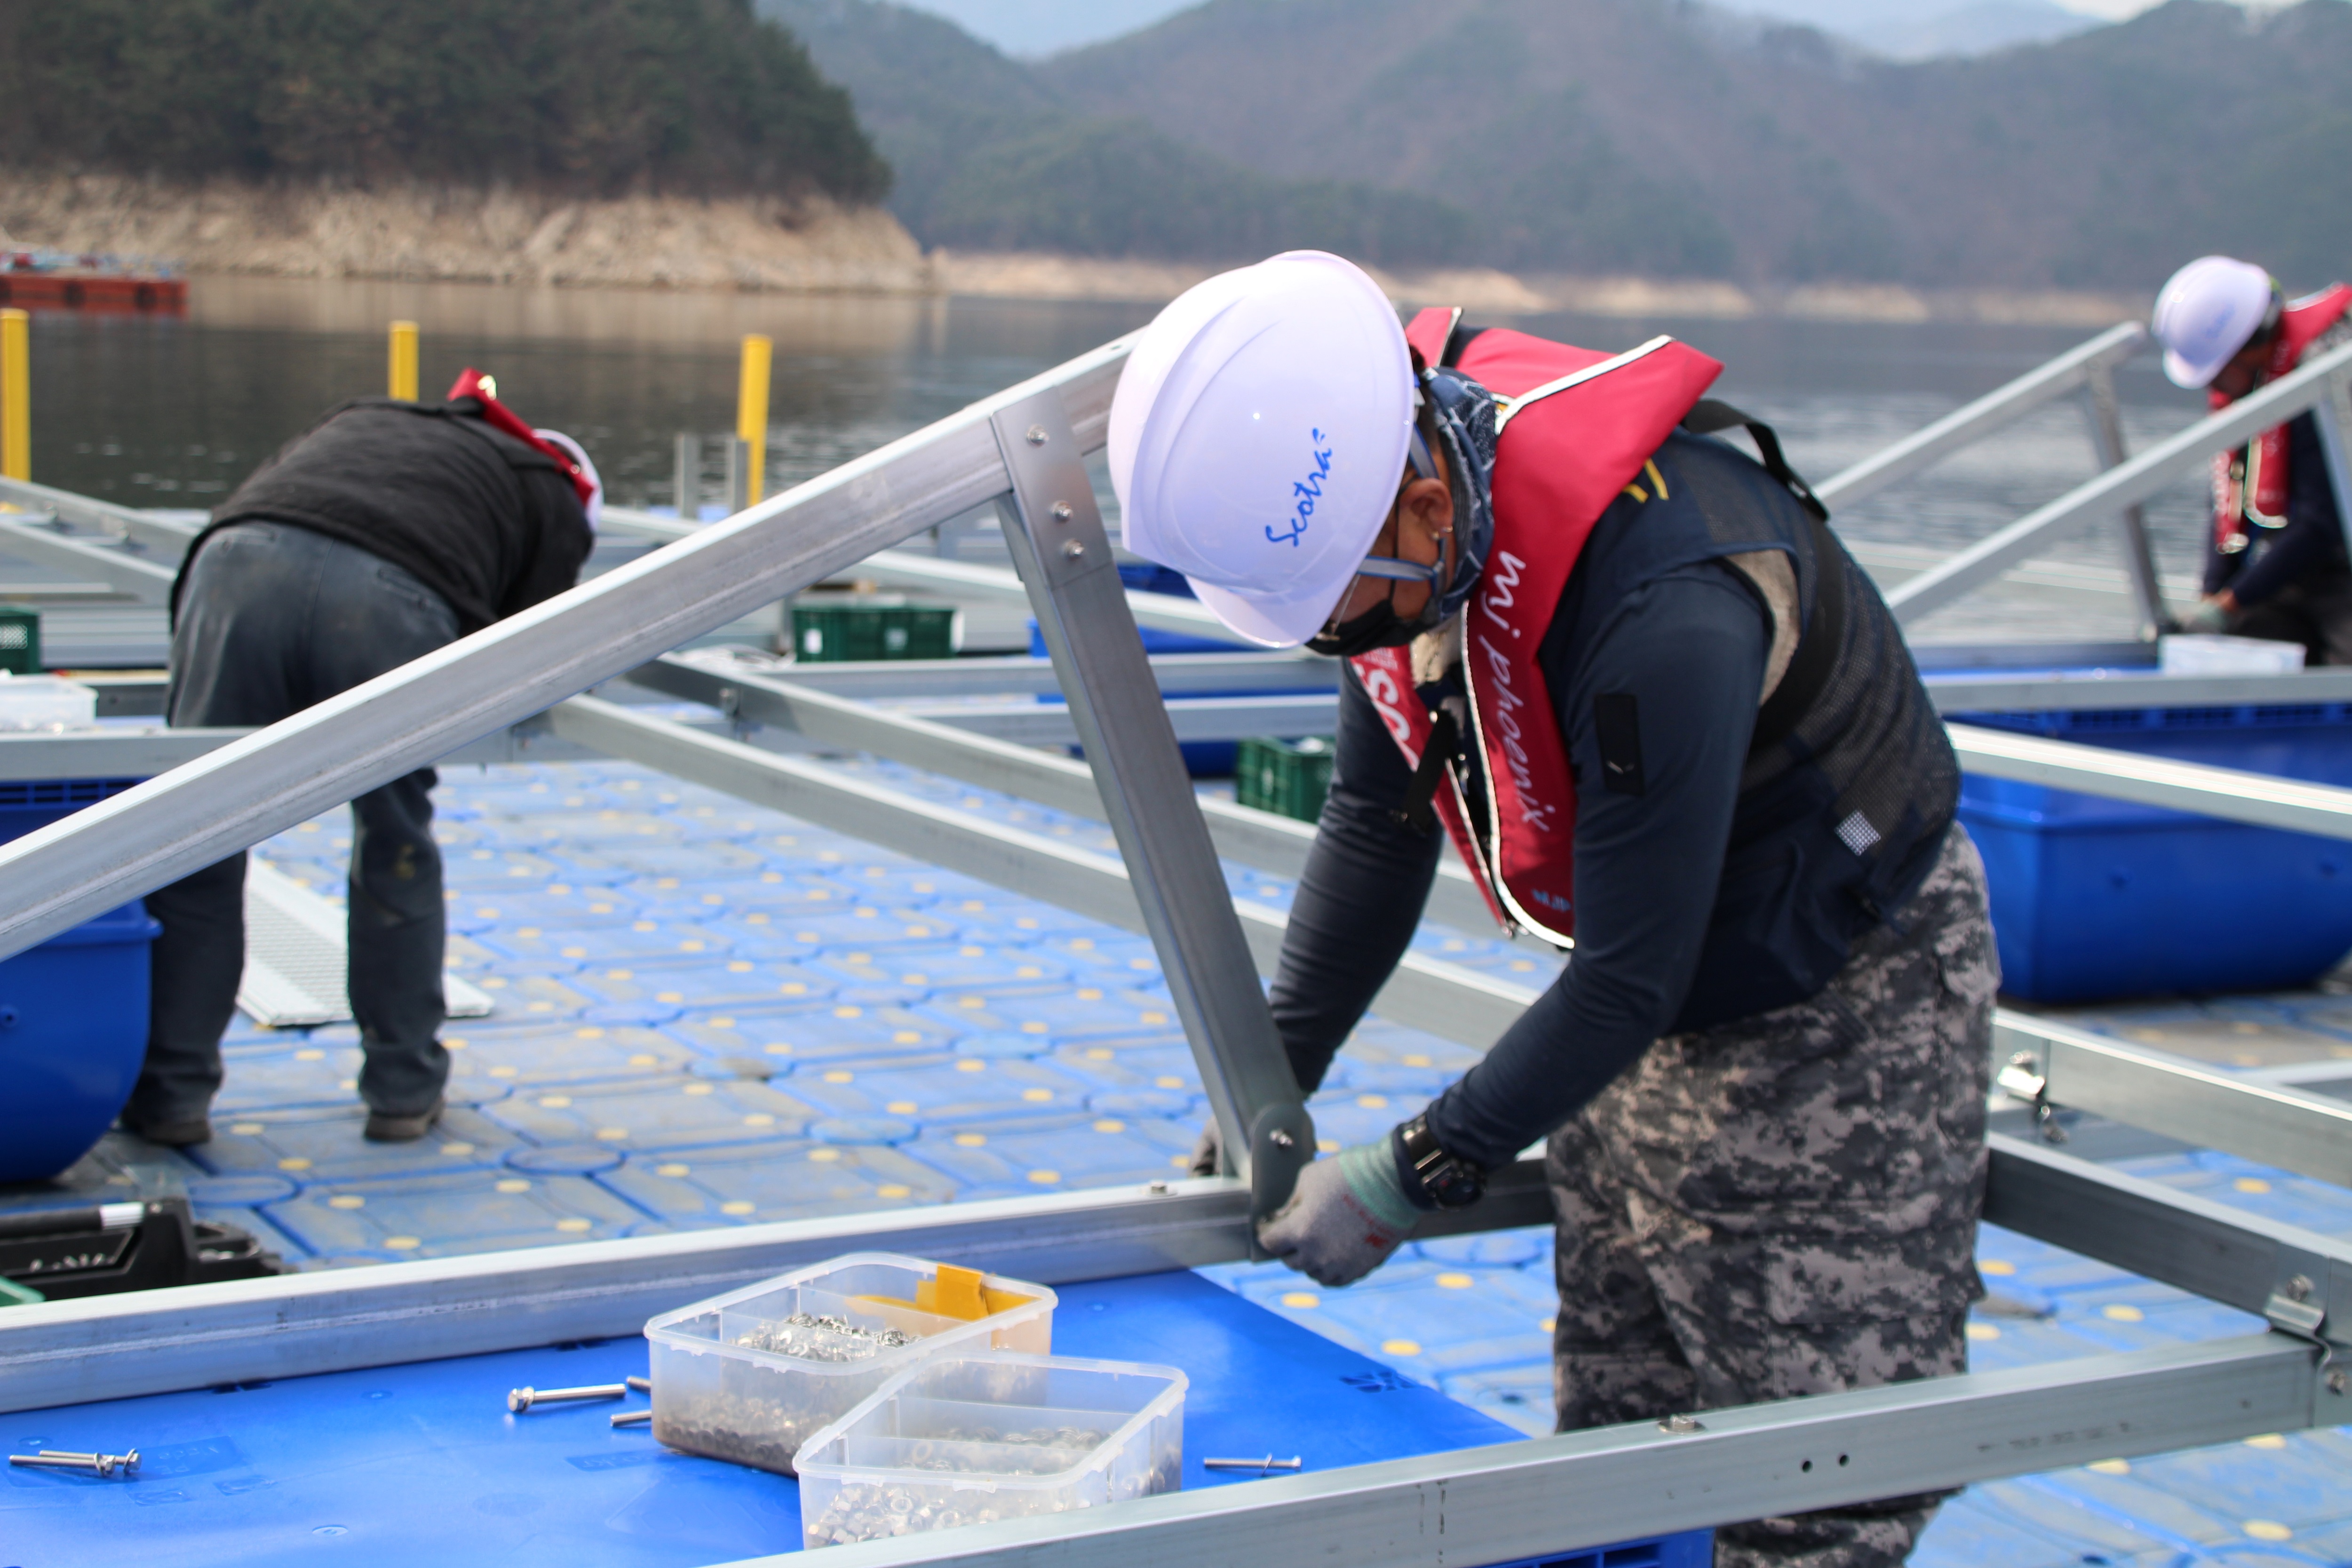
x=2101 y=410
x=122 y=572
x=1178 y=674
x=2275 y=1124
x=1994 y=411
x=140 y=532
x=2125 y=485
x=197 y=814
x=2261 y=799
x=2127 y=688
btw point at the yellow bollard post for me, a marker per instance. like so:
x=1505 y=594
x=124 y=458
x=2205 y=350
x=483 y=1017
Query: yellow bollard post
x=16 y=396
x=404 y=361
x=751 y=414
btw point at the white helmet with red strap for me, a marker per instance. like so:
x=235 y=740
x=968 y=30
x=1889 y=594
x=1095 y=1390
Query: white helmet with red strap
x=1258 y=436
x=2210 y=309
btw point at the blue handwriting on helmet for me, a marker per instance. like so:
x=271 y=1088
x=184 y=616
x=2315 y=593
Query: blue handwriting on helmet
x=1304 y=493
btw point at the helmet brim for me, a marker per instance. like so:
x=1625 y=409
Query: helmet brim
x=1269 y=621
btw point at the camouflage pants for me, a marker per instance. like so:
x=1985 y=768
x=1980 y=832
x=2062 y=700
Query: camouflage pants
x=1787 y=1205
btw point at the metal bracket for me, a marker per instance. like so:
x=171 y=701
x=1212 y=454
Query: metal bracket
x=2100 y=405
x=2022 y=1079
x=1056 y=534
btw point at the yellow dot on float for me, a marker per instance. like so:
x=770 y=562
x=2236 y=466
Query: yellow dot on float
x=457 y=1151
x=2267 y=1530
x=699 y=1088
x=850 y=1012
x=1983 y=1332
x=736 y=1207
x=2121 y=1313
x=1032 y=1028
x=970 y=1140
x=590 y=1032
x=840 y=1075
x=295 y=1164
x=245 y=1129
x=514 y=1184
x=907 y=1037
x=503 y=1071
x=612 y=1134
x=2110 y=1467
x=576 y=952
x=1996 y=1267
x=1036 y=1096
x=970 y=1064
x=1100 y=1054
x=892 y=1190
x=1548 y=1324
x=1155 y=1017
x=1400 y=1347
x=1373 y=1102
x=644 y=1060
x=777 y=1050
x=1044 y=1178
x=1326 y=1145
x=2267 y=1440
x=347 y=1201
x=1455 y=1281
x=1111 y=1124
x=313 y=1054
x=1304 y=1300
x=670 y=997
x=901 y=1108
x=793 y=988
x=1168 y=1080
x=571 y=1226
x=759 y=1118
x=1182 y=1162
x=555 y=1101
x=1089 y=993
x=402 y=1243
x=722 y=1023
x=1028 y=972
x=672 y=1169
x=2251 y=1185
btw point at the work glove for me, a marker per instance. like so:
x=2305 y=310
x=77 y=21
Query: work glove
x=1345 y=1217
x=2208 y=617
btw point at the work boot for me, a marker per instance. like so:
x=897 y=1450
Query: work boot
x=385 y=1128
x=181 y=1134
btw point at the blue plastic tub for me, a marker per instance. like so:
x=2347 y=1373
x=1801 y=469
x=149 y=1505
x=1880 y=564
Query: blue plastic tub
x=73 y=1011
x=2096 y=899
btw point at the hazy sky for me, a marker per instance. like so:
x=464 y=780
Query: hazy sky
x=1042 y=26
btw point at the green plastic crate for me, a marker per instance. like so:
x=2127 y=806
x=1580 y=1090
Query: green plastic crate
x=867 y=629
x=20 y=640
x=1288 y=777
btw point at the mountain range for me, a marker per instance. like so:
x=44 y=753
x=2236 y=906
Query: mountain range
x=1660 y=137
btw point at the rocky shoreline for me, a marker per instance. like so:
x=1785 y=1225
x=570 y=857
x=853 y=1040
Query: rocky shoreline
x=420 y=234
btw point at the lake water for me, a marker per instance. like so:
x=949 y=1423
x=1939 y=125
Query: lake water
x=163 y=411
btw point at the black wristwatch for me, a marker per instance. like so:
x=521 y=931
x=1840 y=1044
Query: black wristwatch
x=1445 y=1181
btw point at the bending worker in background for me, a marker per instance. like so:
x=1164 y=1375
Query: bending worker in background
x=2276 y=565
x=385 y=531
x=1659 y=710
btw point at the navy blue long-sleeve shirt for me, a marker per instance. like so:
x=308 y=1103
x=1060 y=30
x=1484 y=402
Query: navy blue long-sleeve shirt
x=2310 y=544
x=1691 y=648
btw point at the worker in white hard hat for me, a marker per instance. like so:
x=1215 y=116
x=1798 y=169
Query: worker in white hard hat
x=2275 y=564
x=1663 y=717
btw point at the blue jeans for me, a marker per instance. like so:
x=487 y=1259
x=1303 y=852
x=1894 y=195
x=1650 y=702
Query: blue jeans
x=272 y=619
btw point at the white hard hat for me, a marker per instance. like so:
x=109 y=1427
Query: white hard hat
x=594 y=505
x=2210 y=310
x=1258 y=436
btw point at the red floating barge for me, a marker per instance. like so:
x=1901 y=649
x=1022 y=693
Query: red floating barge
x=43 y=282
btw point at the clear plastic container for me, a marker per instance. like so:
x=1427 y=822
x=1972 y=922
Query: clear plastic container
x=46 y=702
x=722 y=1388
x=968 y=1438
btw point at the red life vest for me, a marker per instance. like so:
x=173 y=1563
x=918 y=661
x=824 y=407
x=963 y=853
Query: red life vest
x=1576 y=429
x=2251 y=485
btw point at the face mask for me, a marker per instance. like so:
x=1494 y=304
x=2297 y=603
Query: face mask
x=1462 y=414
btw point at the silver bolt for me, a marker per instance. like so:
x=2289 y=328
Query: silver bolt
x=631 y=1418
x=2338 y=1381
x=1681 y=1426
x=1159 y=1189
x=1062 y=512
x=1073 y=550
x=2299 y=1287
x=521 y=1399
x=97 y=1464
x=1037 y=434
x=642 y=1384
x=1261 y=1466
x=1281 y=1140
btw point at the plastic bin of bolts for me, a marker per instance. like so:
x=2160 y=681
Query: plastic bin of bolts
x=750 y=1376
x=965 y=1439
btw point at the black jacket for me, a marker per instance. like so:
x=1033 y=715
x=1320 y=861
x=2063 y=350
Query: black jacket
x=489 y=523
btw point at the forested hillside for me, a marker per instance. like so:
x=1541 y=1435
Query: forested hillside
x=1657 y=137
x=588 y=97
x=987 y=157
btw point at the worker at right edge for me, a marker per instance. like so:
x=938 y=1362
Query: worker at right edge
x=1663 y=715
x=2276 y=565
